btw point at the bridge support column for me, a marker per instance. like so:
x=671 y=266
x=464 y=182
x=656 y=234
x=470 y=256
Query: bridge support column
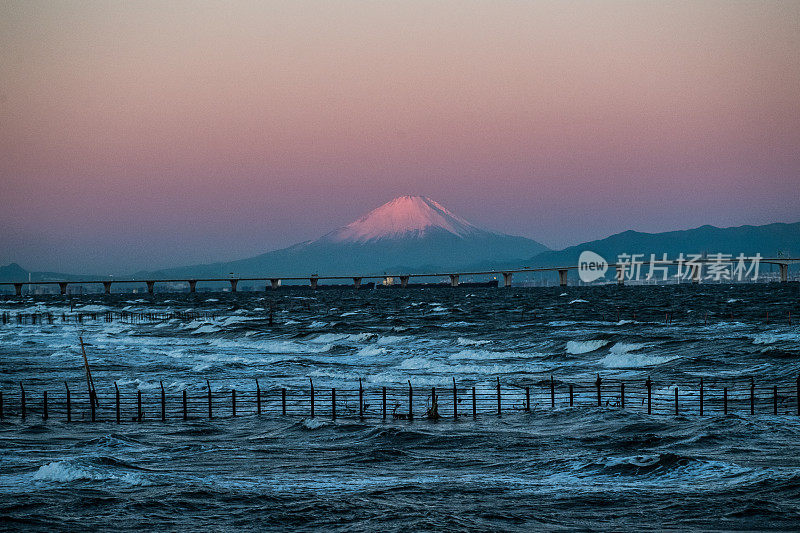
x=192 y=285
x=18 y=289
x=404 y=281
x=356 y=283
x=507 y=278
x=620 y=275
x=562 y=277
x=454 y=280
x=695 y=273
x=313 y=280
x=234 y=284
x=107 y=286
x=150 y=285
x=275 y=283
x=63 y=286
x=784 y=272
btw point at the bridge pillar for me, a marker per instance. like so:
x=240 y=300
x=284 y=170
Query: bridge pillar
x=620 y=275
x=562 y=277
x=454 y=280
x=357 y=283
x=150 y=285
x=695 y=273
x=784 y=272
x=313 y=280
x=234 y=283
x=404 y=281
x=507 y=278
x=18 y=289
x=107 y=286
x=192 y=285
x=275 y=283
x=63 y=286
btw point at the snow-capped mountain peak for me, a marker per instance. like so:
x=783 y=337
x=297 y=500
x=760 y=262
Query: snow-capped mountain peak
x=402 y=217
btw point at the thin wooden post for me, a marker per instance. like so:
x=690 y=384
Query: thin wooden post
x=570 y=395
x=283 y=402
x=383 y=391
x=22 y=399
x=455 y=400
x=774 y=399
x=597 y=382
x=474 y=405
x=725 y=400
x=360 y=399
x=139 y=406
x=116 y=397
x=69 y=404
x=312 y=397
x=163 y=403
x=676 y=400
x=209 y=400
x=552 y=393
x=649 y=385
x=258 y=398
x=701 y=396
x=752 y=397
x=233 y=401
x=333 y=404
x=44 y=406
x=527 y=399
x=499 y=410
x=622 y=395
x=410 y=401
x=185 y=413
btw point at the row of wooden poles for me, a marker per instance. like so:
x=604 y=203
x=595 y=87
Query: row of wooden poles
x=432 y=401
x=107 y=316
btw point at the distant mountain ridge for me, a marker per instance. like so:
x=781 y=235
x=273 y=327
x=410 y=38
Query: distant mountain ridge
x=409 y=234
x=767 y=240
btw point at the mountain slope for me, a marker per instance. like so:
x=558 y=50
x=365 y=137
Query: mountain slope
x=408 y=234
x=767 y=240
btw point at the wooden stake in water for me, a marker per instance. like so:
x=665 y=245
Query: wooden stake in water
x=89 y=380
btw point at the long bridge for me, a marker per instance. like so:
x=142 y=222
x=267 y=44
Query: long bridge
x=694 y=271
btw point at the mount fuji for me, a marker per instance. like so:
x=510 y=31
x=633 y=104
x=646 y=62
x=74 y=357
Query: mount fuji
x=406 y=235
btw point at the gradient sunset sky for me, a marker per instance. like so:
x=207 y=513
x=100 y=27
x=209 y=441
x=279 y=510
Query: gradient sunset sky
x=152 y=134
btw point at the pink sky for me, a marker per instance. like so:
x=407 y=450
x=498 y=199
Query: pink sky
x=151 y=134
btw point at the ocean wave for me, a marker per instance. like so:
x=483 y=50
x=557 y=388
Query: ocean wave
x=634 y=360
x=371 y=351
x=581 y=347
x=462 y=341
x=772 y=338
x=65 y=472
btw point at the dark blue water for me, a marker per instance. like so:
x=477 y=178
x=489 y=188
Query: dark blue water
x=535 y=466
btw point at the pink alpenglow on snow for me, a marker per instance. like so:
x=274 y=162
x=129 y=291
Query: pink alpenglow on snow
x=402 y=217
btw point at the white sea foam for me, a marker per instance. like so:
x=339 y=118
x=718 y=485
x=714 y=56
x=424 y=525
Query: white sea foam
x=65 y=472
x=623 y=347
x=482 y=355
x=371 y=351
x=463 y=341
x=772 y=338
x=581 y=347
x=579 y=301
x=634 y=360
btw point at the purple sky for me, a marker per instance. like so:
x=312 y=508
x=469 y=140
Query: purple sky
x=151 y=134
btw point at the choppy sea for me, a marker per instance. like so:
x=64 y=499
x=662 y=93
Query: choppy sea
x=541 y=464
